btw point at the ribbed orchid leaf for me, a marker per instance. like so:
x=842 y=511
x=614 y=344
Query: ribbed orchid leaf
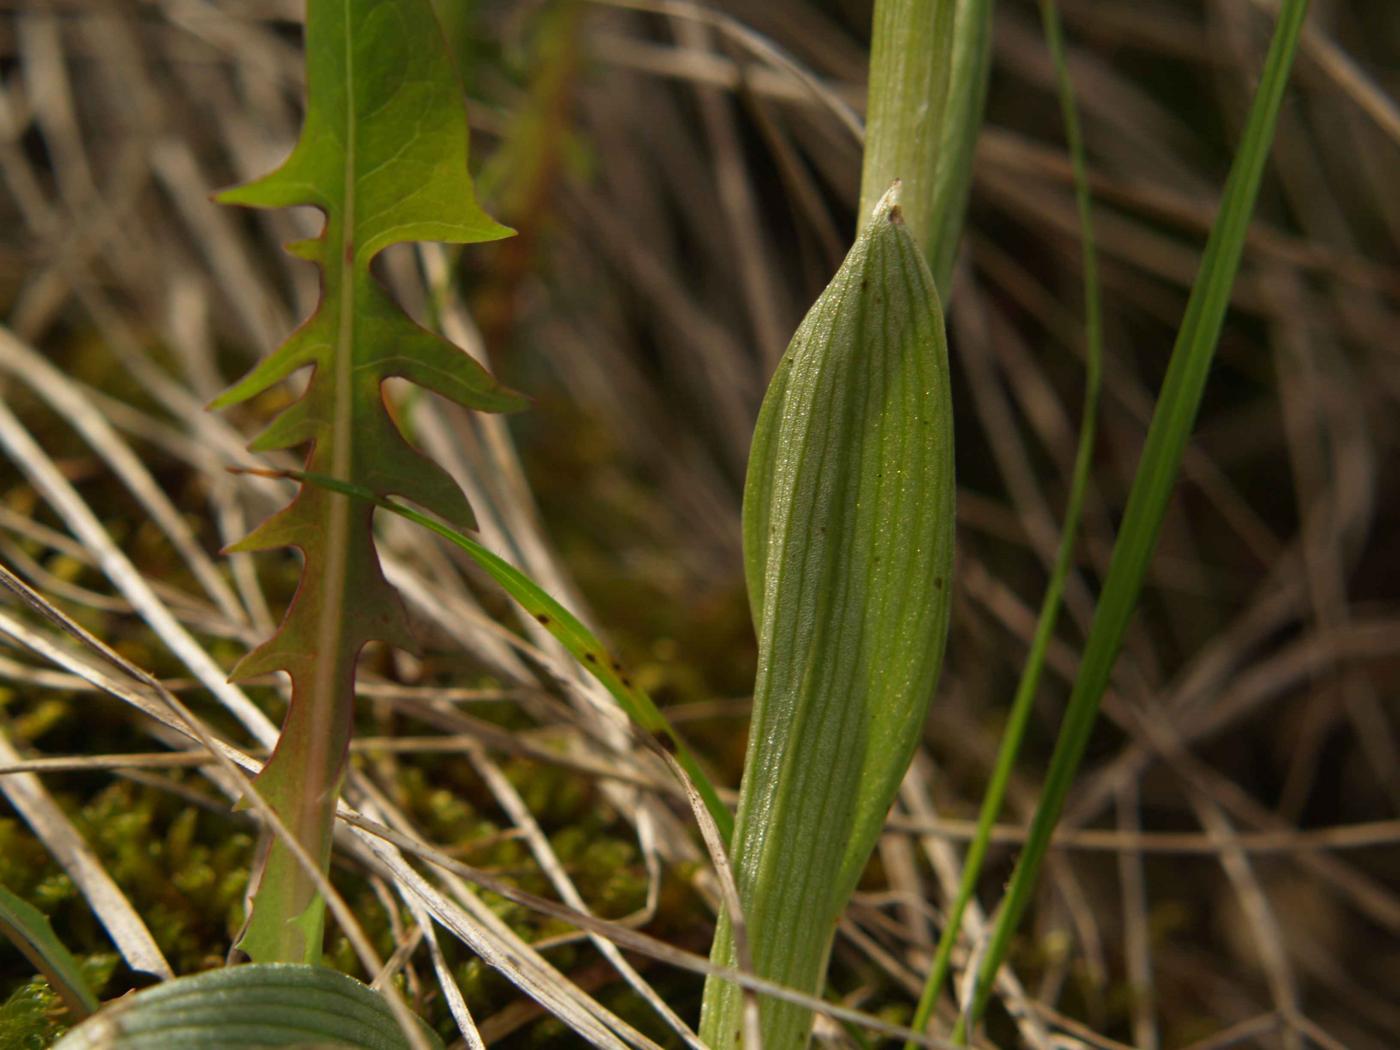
x=274 y=1005
x=848 y=543
x=383 y=154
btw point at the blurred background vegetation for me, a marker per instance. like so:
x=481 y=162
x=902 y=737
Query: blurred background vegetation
x=1232 y=858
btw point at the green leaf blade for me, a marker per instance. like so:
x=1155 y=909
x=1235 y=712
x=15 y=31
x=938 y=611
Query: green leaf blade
x=1177 y=405
x=384 y=137
x=849 y=521
x=245 y=1006
x=383 y=154
x=30 y=931
x=1018 y=718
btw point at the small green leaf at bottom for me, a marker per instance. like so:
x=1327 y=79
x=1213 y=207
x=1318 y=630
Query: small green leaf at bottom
x=242 y=1007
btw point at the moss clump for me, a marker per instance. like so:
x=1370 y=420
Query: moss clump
x=30 y=1017
x=33 y=1017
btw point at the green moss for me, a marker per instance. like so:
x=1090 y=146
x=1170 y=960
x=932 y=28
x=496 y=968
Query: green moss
x=30 y=1017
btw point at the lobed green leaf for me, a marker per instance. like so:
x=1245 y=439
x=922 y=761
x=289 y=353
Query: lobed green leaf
x=383 y=154
x=570 y=631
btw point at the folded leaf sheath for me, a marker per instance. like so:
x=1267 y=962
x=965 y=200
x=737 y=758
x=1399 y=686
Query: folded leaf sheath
x=848 y=545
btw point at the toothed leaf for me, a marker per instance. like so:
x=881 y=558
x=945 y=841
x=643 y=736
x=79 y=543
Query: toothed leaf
x=383 y=155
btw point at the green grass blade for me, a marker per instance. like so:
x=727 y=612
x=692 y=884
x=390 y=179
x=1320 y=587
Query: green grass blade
x=1172 y=421
x=1015 y=730
x=571 y=633
x=28 y=930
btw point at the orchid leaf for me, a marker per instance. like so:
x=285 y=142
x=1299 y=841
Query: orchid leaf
x=383 y=155
x=848 y=547
x=248 y=1006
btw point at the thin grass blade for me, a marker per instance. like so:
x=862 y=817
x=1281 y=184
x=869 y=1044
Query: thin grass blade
x=28 y=930
x=571 y=633
x=1177 y=405
x=1019 y=718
